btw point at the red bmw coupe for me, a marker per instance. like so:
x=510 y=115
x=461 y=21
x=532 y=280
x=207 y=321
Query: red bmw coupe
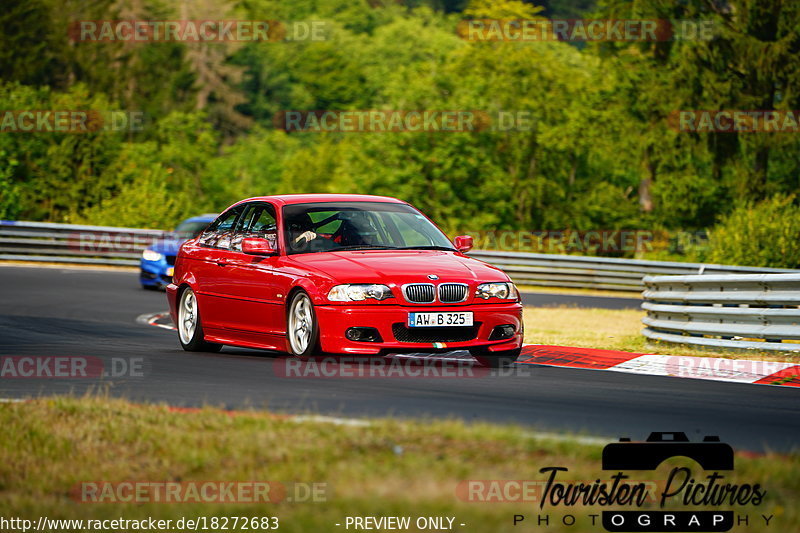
x=344 y=274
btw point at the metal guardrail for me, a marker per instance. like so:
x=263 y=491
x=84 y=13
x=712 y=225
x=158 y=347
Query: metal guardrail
x=756 y=311
x=104 y=245
x=598 y=272
x=72 y=243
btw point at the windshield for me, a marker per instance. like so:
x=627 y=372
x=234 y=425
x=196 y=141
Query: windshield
x=335 y=226
x=188 y=229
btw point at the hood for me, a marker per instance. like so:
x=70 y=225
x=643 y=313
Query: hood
x=407 y=266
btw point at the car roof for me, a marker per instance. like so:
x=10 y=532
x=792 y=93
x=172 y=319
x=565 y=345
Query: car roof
x=286 y=199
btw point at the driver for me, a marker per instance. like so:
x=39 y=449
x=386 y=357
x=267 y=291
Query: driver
x=356 y=229
x=302 y=231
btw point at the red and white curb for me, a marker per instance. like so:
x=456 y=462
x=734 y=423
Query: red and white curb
x=711 y=368
x=680 y=366
x=159 y=320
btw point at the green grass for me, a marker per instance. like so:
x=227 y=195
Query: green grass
x=386 y=468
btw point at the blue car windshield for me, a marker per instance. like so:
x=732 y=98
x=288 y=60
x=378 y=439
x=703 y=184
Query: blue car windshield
x=339 y=226
x=188 y=229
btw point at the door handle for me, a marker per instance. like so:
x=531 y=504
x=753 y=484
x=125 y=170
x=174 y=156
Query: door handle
x=222 y=263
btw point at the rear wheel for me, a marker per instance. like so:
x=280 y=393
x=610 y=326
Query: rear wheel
x=190 y=328
x=496 y=359
x=302 y=330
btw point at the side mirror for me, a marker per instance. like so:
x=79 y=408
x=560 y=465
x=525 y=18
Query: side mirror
x=256 y=246
x=463 y=243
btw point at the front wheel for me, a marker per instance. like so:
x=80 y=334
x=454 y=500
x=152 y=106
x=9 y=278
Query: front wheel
x=302 y=329
x=190 y=329
x=502 y=359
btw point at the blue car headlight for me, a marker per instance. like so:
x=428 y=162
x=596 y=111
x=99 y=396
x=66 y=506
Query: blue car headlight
x=151 y=255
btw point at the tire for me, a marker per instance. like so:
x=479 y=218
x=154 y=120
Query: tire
x=190 y=327
x=302 y=328
x=502 y=359
x=149 y=287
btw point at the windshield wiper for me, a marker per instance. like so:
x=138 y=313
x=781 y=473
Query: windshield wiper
x=433 y=247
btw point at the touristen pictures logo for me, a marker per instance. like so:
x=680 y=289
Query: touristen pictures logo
x=685 y=500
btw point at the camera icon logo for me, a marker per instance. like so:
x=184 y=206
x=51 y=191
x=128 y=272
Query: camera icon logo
x=711 y=454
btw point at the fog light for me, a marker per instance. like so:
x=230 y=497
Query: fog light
x=363 y=335
x=506 y=331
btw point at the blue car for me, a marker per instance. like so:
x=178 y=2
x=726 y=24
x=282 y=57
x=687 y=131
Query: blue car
x=158 y=259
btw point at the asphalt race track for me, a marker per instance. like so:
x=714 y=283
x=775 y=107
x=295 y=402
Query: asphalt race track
x=53 y=311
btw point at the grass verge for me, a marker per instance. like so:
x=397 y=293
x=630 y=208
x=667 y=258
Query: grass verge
x=616 y=329
x=386 y=468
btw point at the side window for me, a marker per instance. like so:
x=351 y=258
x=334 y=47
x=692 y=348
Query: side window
x=264 y=224
x=237 y=234
x=219 y=233
x=258 y=221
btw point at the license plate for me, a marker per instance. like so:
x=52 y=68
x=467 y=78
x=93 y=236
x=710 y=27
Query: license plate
x=170 y=271
x=429 y=320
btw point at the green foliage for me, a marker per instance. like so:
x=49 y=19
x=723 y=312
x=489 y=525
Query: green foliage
x=762 y=234
x=501 y=9
x=147 y=196
x=56 y=174
x=29 y=42
x=157 y=183
x=600 y=155
x=252 y=166
x=9 y=196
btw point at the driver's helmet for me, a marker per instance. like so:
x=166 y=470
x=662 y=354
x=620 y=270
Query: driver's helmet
x=300 y=223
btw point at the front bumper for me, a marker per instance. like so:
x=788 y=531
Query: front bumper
x=390 y=320
x=155 y=273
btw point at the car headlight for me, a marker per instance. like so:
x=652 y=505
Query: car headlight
x=359 y=292
x=504 y=291
x=150 y=255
